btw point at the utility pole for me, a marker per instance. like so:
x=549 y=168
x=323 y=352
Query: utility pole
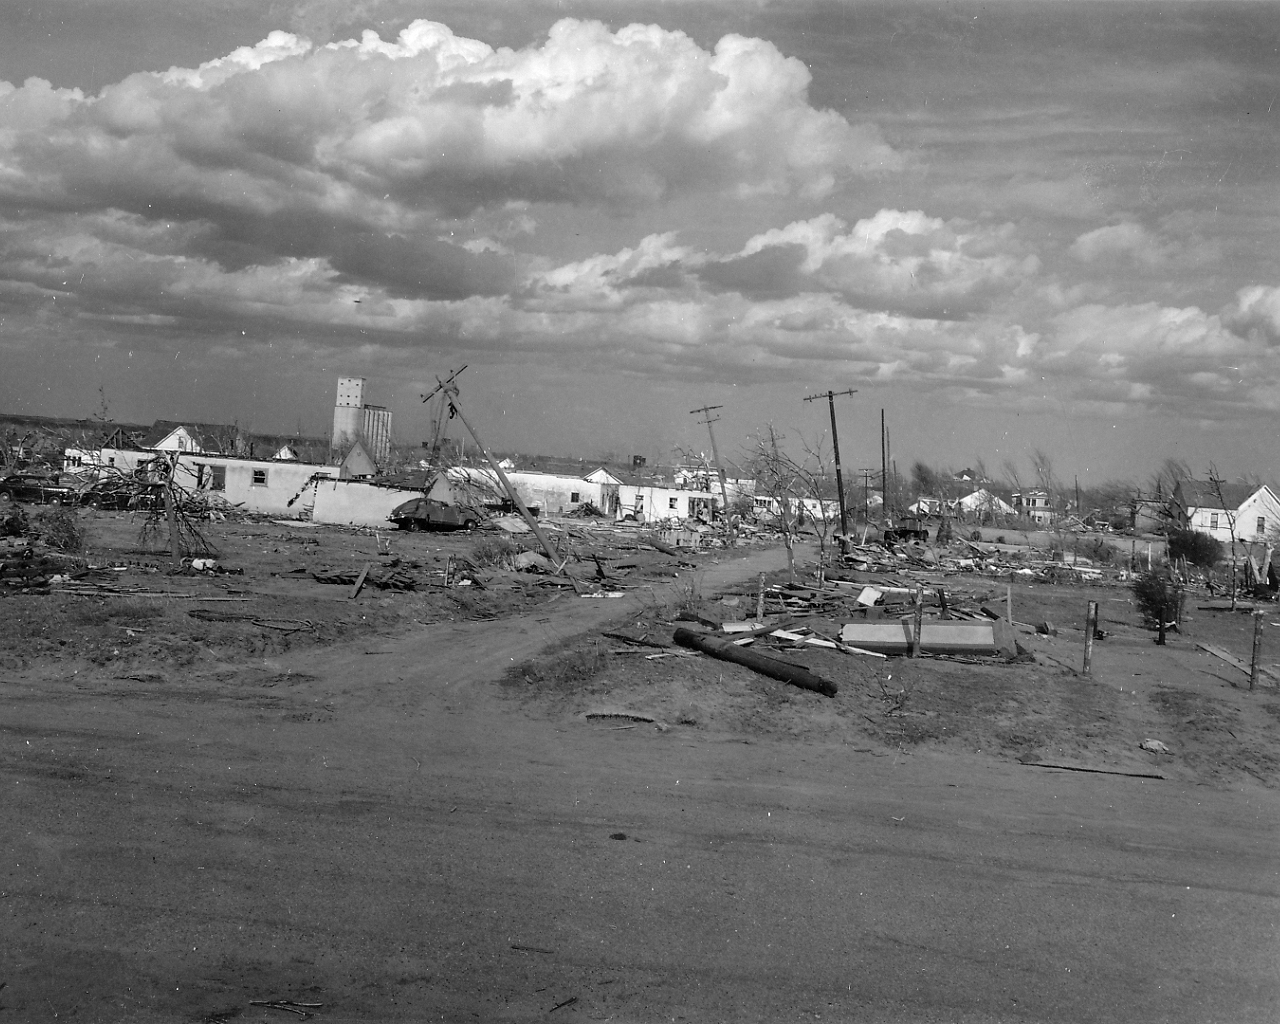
x=706 y=411
x=450 y=390
x=884 y=469
x=835 y=448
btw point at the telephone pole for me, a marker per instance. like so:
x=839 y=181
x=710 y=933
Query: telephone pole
x=835 y=448
x=706 y=411
x=884 y=468
x=449 y=389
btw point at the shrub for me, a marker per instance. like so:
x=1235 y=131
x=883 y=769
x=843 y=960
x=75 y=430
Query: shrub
x=13 y=522
x=1157 y=596
x=58 y=528
x=1098 y=550
x=496 y=550
x=1197 y=548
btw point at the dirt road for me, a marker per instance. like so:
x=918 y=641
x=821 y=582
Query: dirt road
x=387 y=834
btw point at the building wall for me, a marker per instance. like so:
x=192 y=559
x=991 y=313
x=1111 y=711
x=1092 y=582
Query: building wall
x=654 y=504
x=376 y=433
x=347 y=422
x=356 y=503
x=552 y=494
x=350 y=392
x=257 y=485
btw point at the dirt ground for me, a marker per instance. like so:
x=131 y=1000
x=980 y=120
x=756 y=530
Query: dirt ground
x=470 y=803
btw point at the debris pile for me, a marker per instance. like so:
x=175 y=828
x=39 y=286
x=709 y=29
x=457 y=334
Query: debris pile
x=36 y=551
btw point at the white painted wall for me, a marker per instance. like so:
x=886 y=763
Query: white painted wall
x=257 y=485
x=356 y=503
x=552 y=494
x=655 y=504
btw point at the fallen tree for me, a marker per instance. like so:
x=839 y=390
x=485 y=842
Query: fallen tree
x=796 y=675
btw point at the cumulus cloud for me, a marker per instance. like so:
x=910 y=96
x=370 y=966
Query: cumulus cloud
x=896 y=260
x=433 y=118
x=409 y=168
x=1115 y=240
x=1256 y=312
x=1147 y=354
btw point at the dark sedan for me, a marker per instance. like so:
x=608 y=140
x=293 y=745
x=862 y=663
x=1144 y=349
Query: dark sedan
x=429 y=514
x=35 y=488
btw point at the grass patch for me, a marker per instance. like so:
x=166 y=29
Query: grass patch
x=566 y=668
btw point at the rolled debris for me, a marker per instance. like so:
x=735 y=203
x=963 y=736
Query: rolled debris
x=796 y=675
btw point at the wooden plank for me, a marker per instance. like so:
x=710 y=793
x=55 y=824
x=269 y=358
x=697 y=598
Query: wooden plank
x=355 y=591
x=935 y=637
x=1232 y=660
x=1063 y=767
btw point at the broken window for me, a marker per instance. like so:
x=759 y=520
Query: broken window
x=259 y=478
x=1262 y=525
x=217 y=478
x=573 y=496
x=1213 y=520
x=672 y=503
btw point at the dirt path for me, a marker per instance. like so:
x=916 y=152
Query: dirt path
x=459 y=653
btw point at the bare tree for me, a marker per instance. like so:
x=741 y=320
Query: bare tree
x=1042 y=465
x=1011 y=475
x=1165 y=479
x=1215 y=485
x=777 y=477
x=921 y=478
x=816 y=476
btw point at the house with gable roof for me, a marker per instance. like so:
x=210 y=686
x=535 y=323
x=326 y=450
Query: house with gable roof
x=1251 y=512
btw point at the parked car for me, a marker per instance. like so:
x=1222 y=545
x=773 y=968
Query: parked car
x=430 y=514
x=507 y=507
x=124 y=494
x=108 y=494
x=34 y=487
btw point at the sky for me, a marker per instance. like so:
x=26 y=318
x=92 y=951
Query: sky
x=1011 y=225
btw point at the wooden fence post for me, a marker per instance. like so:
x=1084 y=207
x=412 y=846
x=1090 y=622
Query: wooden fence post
x=919 y=623
x=1257 y=648
x=1090 y=627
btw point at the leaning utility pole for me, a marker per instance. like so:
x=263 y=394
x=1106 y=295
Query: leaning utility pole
x=450 y=391
x=706 y=411
x=835 y=448
x=884 y=468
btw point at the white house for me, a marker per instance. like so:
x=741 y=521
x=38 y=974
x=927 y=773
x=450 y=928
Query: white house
x=924 y=506
x=1034 y=505
x=258 y=485
x=549 y=492
x=1251 y=513
x=982 y=504
x=652 y=503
